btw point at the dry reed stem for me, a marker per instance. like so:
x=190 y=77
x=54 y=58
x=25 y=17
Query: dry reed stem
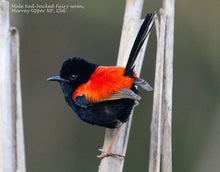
x=168 y=6
x=155 y=141
x=130 y=28
x=161 y=125
x=12 y=156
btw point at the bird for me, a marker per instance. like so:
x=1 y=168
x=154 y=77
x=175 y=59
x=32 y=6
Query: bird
x=104 y=95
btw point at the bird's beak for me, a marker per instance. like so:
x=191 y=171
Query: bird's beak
x=57 y=78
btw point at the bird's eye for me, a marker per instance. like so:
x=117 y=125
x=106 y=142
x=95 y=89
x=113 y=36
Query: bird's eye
x=73 y=77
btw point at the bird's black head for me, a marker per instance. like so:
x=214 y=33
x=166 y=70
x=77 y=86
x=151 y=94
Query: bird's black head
x=74 y=72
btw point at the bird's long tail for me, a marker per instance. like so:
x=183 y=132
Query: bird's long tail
x=141 y=36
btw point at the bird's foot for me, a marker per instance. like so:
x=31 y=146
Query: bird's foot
x=106 y=154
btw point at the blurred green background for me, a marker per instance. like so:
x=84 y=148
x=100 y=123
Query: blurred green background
x=57 y=141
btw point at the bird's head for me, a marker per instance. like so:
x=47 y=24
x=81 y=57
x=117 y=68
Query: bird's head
x=74 y=72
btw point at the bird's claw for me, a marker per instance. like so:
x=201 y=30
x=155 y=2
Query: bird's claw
x=106 y=154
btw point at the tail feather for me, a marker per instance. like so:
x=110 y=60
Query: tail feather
x=141 y=36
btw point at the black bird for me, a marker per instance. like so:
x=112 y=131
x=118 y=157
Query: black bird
x=104 y=95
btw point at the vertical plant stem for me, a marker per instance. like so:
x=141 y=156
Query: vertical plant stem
x=17 y=105
x=155 y=142
x=168 y=6
x=161 y=133
x=131 y=25
x=12 y=156
x=7 y=156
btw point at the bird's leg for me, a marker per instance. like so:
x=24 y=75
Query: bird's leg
x=108 y=153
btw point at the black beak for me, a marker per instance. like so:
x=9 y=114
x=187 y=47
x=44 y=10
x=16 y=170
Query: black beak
x=57 y=78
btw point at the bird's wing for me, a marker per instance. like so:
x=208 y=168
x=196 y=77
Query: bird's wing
x=81 y=101
x=143 y=84
x=125 y=93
